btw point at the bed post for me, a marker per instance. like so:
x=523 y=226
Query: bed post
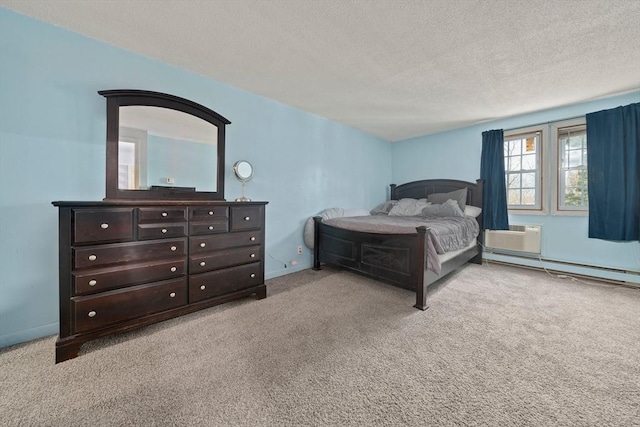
x=316 y=242
x=478 y=199
x=419 y=269
x=392 y=193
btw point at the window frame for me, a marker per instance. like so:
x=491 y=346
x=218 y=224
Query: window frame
x=541 y=168
x=556 y=162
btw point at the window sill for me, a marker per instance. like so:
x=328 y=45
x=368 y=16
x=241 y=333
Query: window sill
x=526 y=212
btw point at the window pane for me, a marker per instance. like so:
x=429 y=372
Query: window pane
x=529 y=197
x=513 y=147
x=529 y=162
x=529 y=180
x=584 y=157
x=513 y=180
x=513 y=197
x=575 y=141
x=530 y=145
x=514 y=163
x=575 y=158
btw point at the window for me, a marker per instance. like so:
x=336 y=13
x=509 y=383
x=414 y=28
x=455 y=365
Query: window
x=522 y=154
x=571 y=180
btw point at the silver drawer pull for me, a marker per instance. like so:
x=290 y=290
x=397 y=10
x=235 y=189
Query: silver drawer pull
x=252 y=255
x=246 y=218
x=164 y=230
x=202 y=245
x=211 y=227
x=173 y=248
x=253 y=275
x=92 y=282
x=173 y=269
x=210 y=212
x=203 y=287
x=164 y=214
x=252 y=239
x=104 y=226
x=92 y=314
x=92 y=257
x=172 y=294
x=202 y=264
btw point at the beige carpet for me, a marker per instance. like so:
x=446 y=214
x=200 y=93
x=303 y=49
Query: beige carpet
x=500 y=346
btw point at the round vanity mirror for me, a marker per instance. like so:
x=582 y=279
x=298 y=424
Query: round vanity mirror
x=244 y=172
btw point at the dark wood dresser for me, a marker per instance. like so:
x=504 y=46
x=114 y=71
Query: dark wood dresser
x=126 y=264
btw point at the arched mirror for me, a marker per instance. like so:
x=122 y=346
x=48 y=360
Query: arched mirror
x=161 y=146
x=244 y=172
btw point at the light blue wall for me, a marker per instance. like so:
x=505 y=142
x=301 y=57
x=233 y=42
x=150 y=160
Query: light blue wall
x=52 y=147
x=456 y=154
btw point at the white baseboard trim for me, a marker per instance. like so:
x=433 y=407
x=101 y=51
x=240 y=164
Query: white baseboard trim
x=609 y=274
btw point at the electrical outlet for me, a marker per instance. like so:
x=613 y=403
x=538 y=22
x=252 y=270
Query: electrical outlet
x=299 y=250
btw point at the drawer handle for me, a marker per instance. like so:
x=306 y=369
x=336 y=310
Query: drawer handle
x=211 y=227
x=164 y=230
x=104 y=226
x=252 y=238
x=173 y=269
x=173 y=248
x=92 y=257
x=253 y=275
x=252 y=255
x=210 y=212
x=172 y=294
x=246 y=218
x=202 y=264
x=164 y=214
x=92 y=282
x=202 y=245
x=92 y=314
x=203 y=287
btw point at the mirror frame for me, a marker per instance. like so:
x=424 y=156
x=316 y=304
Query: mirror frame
x=127 y=97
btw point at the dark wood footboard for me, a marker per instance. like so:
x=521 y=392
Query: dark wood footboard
x=396 y=258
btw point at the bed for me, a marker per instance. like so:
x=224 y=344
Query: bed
x=400 y=259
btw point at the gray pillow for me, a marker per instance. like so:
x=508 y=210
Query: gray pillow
x=408 y=207
x=459 y=196
x=448 y=208
x=383 y=208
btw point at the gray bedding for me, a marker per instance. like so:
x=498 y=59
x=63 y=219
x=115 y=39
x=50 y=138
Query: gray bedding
x=445 y=233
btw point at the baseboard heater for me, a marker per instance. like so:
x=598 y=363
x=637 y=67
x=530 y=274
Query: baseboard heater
x=518 y=238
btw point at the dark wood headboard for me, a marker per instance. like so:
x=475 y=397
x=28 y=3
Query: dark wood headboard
x=421 y=189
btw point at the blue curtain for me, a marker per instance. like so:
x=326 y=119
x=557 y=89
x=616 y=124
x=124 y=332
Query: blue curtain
x=613 y=162
x=494 y=197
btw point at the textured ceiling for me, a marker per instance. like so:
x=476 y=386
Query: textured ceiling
x=395 y=69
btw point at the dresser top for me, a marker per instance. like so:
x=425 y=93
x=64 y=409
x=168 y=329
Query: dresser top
x=106 y=203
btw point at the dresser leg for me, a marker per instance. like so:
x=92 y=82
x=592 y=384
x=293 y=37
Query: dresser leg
x=66 y=350
x=261 y=292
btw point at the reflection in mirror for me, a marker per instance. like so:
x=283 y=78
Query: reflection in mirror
x=244 y=172
x=161 y=147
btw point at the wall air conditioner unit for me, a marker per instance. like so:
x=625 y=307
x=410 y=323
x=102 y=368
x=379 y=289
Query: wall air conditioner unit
x=519 y=238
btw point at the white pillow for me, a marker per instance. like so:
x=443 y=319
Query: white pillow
x=472 y=211
x=408 y=207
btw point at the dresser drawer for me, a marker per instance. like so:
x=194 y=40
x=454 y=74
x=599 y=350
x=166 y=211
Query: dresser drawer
x=159 y=231
x=224 y=258
x=92 y=281
x=102 y=225
x=117 y=253
x=220 y=282
x=246 y=217
x=97 y=311
x=202 y=244
x=215 y=225
x=166 y=214
x=203 y=213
